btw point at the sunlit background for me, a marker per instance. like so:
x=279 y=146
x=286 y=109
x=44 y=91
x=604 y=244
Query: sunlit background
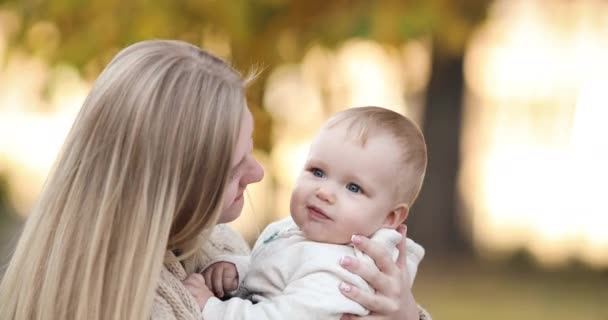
x=512 y=96
x=535 y=148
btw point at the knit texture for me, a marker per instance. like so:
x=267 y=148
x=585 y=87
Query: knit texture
x=172 y=300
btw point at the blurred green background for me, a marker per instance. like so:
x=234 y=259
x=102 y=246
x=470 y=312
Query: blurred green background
x=510 y=95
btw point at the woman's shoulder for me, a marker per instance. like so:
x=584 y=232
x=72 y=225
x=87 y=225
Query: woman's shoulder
x=226 y=240
x=221 y=240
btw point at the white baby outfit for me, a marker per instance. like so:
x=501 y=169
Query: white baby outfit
x=290 y=277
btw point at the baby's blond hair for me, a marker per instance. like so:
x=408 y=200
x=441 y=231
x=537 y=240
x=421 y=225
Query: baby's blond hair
x=365 y=121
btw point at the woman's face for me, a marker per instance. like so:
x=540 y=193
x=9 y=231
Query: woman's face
x=244 y=170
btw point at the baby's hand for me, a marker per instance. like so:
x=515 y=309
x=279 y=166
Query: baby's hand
x=221 y=277
x=195 y=283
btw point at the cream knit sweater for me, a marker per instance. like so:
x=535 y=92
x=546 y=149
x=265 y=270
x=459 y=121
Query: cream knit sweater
x=172 y=301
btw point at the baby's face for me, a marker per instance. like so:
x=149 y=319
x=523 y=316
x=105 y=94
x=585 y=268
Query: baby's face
x=345 y=188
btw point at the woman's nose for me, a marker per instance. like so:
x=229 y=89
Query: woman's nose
x=255 y=173
x=325 y=195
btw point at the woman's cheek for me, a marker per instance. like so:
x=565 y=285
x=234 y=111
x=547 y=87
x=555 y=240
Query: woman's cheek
x=229 y=194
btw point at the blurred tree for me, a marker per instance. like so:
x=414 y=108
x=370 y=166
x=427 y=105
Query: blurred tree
x=4 y=195
x=271 y=32
x=9 y=224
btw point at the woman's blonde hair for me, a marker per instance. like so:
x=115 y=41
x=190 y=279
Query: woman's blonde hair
x=142 y=170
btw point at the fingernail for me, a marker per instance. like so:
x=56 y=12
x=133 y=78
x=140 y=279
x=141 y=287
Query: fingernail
x=355 y=239
x=346 y=261
x=345 y=287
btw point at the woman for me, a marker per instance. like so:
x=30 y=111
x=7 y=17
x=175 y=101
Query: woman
x=160 y=149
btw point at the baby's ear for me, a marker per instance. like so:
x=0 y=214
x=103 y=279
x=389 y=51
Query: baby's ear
x=397 y=216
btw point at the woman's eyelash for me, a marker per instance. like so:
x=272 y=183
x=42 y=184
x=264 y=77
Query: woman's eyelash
x=234 y=173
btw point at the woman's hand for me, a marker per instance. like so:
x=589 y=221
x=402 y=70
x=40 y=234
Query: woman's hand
x=393 y=298
x=195 y=284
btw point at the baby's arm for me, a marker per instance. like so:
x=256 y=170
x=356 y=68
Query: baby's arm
x=316 y=295
x=221 y=271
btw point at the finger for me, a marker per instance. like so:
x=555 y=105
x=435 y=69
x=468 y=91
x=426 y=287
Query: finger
x=349 y=316
x=230 y=281
x=208 y=275
x=370 y=301
x=217 y=282
x=229 y=285
x=380 y=255
x=231 y=277
x=376 y=279
x=230 y=270
x=401 y=259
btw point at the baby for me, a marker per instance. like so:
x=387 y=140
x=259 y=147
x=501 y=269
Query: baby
x=364 y=171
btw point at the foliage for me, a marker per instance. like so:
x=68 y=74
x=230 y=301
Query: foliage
x=90 y=29
x=88 y=33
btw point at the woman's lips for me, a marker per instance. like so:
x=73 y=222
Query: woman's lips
x=317 y=214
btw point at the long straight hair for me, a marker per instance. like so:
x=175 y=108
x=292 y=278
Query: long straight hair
x=142 y=171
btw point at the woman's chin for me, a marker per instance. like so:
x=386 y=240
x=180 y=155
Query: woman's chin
x=226 y=219
x=231 y=213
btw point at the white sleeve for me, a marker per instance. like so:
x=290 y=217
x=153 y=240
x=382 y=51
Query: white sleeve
x=242 y=262
x=314 y=296
x=415 y=253
x=389 y=239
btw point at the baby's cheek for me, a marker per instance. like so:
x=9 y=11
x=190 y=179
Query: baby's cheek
x=335 y=235
x=366 y=226
x=348 y=229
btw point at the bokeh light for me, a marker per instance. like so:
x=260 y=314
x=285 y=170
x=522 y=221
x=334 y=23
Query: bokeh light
x=534 y=153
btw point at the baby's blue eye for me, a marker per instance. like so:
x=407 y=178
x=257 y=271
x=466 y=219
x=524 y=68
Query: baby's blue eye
x=352 y=187
x=317 y=172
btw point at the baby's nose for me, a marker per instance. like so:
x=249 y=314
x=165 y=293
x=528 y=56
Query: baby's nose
x=325 y=195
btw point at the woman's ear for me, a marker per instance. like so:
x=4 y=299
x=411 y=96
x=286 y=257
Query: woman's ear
x=397 y=216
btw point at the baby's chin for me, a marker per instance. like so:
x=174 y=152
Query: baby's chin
x=318 y=233
x=324 y=238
